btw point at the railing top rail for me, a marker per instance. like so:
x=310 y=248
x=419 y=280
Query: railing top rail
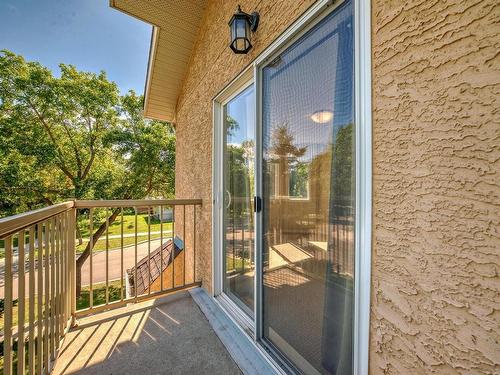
x=136 y=203
x=12 y=224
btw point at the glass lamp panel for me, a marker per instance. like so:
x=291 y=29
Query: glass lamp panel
x=241 y=44
x=241 y=27
x=233 y=30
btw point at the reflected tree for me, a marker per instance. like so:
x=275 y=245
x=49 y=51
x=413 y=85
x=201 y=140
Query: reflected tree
x=285 y=153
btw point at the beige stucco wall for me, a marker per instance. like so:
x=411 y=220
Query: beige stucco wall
x=212 y=67
x=436 y=187
x=435 y=284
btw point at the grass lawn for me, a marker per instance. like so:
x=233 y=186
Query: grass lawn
x=236 y=263
x=128 y=225
x=128 y=228
x=99 y=292
x=15 y=314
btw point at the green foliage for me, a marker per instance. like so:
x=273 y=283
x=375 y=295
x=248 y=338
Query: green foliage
x=147 y=146
x=73 y=136
x=283 y=144
x=299 y=177
x=99 y=294
x=239 y=179
x=342 y=163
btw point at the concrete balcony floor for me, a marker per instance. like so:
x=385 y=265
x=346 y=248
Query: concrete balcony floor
x=168 y=335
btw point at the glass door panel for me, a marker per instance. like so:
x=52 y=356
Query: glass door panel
x=308 y=192
x=238 y=185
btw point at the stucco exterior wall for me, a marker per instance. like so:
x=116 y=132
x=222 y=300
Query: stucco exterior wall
x=436 y=193
x=436 y=163
x=212 y=67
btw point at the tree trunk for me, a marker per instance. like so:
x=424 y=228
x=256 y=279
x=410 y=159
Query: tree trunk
x=78 y=234
x=83 y=256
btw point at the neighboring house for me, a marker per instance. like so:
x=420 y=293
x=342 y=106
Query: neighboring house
x=382 y=116
x=146 y=276
x=166 y=214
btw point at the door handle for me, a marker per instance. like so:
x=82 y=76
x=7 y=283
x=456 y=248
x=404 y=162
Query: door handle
x=229 y=199
x=257 y=204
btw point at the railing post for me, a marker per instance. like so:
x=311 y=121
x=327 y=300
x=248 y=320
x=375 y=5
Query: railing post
x=72 y=262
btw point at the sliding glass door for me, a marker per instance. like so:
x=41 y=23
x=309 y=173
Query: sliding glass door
x=294 y=109
x=238 y=190
x=308 y=198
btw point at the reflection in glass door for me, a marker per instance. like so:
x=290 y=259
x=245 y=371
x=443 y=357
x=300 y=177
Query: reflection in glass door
x=238 y=189
x=308 y=193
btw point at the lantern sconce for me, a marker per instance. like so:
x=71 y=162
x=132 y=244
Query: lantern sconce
x=241 y=24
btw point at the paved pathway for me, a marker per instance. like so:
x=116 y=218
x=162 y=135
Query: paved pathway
x=103 y=237
x=99 y=266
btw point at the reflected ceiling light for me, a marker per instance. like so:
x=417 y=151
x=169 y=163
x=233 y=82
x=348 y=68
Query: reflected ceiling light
x=322 y=116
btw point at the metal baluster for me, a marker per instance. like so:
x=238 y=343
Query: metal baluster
x=242 y=239
x=184 y=239
x=62 y=268
x=66 y=268
x=58 y=283
x=39 y=273
x=172 y=252
x=7 y=340
x=20 y=304
x=149 y=250
x=194 y=243
x=72 y=263
x=91 y=270
x=135 y=258
x=52 y=290
x=107 y=256
x=233 y=240
x=46 y=297
x=121 y=256
x=31 y=301
x=161 y=248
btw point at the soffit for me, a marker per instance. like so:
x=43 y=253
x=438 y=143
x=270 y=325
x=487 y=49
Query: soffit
x=175 y=29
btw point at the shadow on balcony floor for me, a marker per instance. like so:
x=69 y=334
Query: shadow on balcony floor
x=169 y=335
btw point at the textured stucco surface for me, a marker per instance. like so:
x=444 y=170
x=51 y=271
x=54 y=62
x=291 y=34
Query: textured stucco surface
x=436 y=187
x=436 y=165
x=212 y=67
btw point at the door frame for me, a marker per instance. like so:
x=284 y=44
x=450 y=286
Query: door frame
x=363 y=171
x=238 y=85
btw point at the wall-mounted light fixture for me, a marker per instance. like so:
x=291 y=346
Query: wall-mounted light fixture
x=322 y=116
x=241 y=25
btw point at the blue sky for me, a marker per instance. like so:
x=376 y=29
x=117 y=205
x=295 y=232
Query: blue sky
x=86 y=33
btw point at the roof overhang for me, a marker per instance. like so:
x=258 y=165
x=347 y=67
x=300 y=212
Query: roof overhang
x=175 y=29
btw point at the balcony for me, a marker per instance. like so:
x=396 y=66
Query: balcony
x=147 y=337
x=122 y=306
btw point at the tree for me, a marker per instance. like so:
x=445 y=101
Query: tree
x=73 y=136
x=284 y=152
x=52 y=131
x=146 y=151
x=342 y=163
